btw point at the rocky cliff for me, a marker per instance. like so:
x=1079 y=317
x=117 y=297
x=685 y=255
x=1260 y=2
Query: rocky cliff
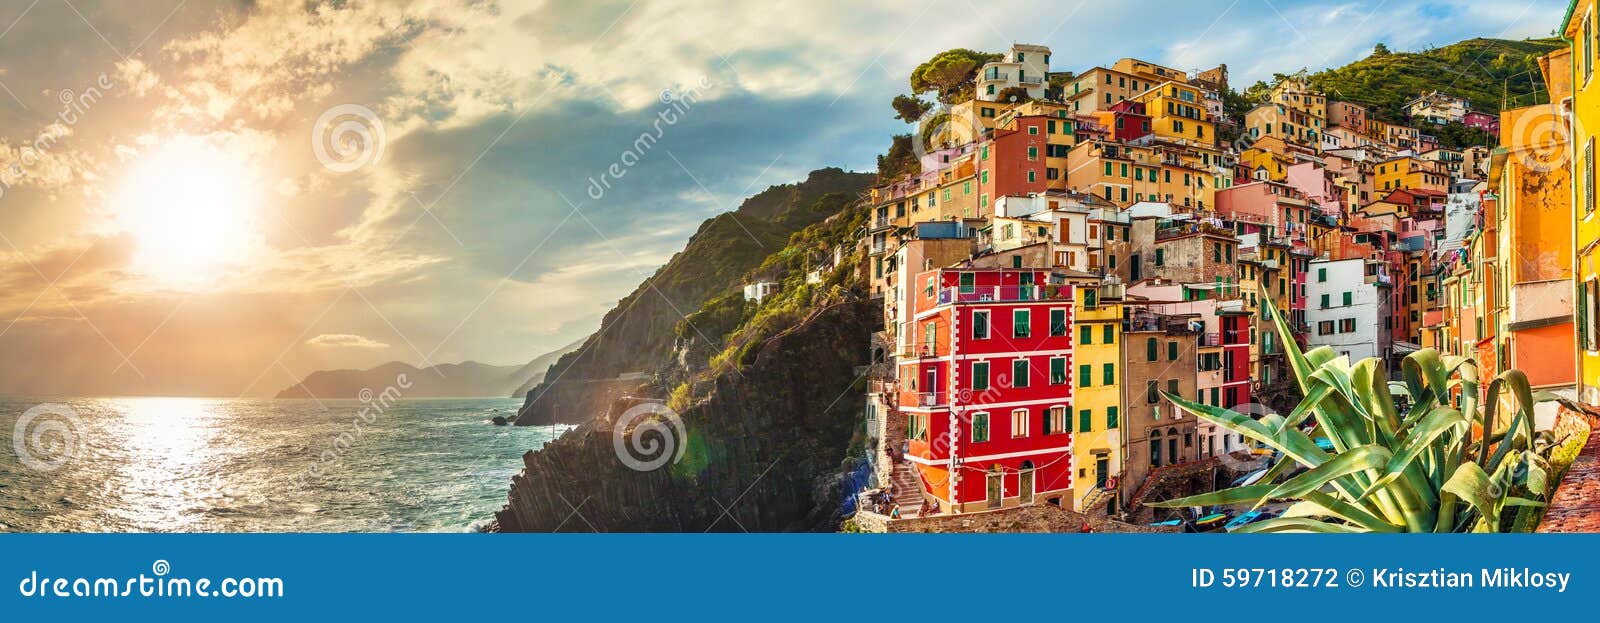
x=765 y=448
x=636 y=340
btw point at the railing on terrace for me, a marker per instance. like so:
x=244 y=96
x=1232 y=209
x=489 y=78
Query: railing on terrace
x=999 y=294
x=1210 y=339
x=930 y=399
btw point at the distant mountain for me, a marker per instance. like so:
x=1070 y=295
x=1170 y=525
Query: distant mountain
x=468 y=379
x=534 y=373
x=465 y=379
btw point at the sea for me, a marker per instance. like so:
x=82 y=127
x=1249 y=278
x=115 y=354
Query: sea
x=257 y=465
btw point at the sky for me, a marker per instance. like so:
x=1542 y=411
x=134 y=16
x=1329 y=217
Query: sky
x=217 y=198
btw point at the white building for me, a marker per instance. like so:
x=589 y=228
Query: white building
x=1025 y=66
x=1460 y=215
x=1437 y=108
x=1347 y=307
x=759 y=290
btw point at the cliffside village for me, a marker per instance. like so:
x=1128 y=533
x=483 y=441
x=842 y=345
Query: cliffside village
x=1062 y=258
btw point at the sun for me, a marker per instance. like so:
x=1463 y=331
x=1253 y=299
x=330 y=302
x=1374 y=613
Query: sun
x=191 y=208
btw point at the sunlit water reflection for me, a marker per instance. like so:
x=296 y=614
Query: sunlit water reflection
x=209 y=465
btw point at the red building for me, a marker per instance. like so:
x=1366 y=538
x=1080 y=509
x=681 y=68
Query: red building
x=1128 y=120
x=1012 y=163
x=1235 y=357
x=988 y=388
x=1483 y=121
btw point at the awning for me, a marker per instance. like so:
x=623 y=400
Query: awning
x=1405 y=348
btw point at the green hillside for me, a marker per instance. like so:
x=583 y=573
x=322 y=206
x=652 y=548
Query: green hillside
x=1485 y=72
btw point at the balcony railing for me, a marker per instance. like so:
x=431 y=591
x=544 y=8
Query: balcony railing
x=1000 y=294
x=1210 y=339
x=930 y=399
x=1236 y=336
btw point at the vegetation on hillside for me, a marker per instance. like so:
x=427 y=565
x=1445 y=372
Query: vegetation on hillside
x=1485 y=72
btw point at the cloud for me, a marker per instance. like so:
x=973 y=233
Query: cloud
x=344 y=340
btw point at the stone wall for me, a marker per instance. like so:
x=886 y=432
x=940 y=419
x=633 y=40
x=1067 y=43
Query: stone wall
x=1035 y=518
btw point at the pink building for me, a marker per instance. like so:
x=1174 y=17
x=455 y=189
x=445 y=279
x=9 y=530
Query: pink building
x=1483 y=121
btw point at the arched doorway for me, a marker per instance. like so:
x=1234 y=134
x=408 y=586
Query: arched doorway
x=1025 y=482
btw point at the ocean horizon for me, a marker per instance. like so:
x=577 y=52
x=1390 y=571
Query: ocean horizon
x=191 y=464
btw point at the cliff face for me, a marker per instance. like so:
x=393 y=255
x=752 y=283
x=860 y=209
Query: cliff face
x=768 y=441
x=636 y=339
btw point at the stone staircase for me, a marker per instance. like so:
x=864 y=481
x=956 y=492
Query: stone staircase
x=1096 y=503
x=907 y=488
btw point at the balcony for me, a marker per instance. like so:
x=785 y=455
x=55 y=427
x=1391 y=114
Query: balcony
x=1003 y=294
x=1236 y=337
x=930 y=399
x=1210 y=339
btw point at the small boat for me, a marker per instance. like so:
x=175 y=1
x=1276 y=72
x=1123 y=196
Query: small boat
x=1210 y=522
x=1169 y=522
x=1248 y=518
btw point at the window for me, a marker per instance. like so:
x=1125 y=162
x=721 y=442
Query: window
x=1216 y=252
x=980 y=427
x=1019 y=423
x=1172 y=386
x=1058 y=323
x=1348 y=325
x=1055 y=421
x=1347 y=299
x=1109 y=374
x=1172 y=350
x=1161 y=257
x=1155 y=448
x=1152 y=392
x=1085 y=332
x=1084 y=424
x=1019 y=323
x=980 y=375
x=1111 y=417
x=1019 y=372
x=1085 y=373
x=1325 y=327
x=1032 y=176
x=1325 y=301
x=980 y=325
x=1150 y=349
x=1109 y=334
x=966 y=283
x=1322 y=275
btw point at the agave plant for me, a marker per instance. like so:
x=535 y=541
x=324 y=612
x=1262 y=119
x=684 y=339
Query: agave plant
x=1422 y=469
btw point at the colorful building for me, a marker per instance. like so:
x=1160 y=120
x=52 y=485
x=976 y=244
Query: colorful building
x=988 y=389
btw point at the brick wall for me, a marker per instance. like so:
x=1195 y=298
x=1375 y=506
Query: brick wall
x=1036 y=518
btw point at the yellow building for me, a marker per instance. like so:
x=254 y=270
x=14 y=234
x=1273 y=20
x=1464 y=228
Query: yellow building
x=1280 y=121
x=1126 y=174
x=1097 y=396
x=1579 y=29
x=1099 y=87
x=1409 y=172
x=1177 y=111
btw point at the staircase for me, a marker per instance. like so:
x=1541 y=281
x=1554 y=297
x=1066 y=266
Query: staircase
x=1096 y=502
x=907 y=488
